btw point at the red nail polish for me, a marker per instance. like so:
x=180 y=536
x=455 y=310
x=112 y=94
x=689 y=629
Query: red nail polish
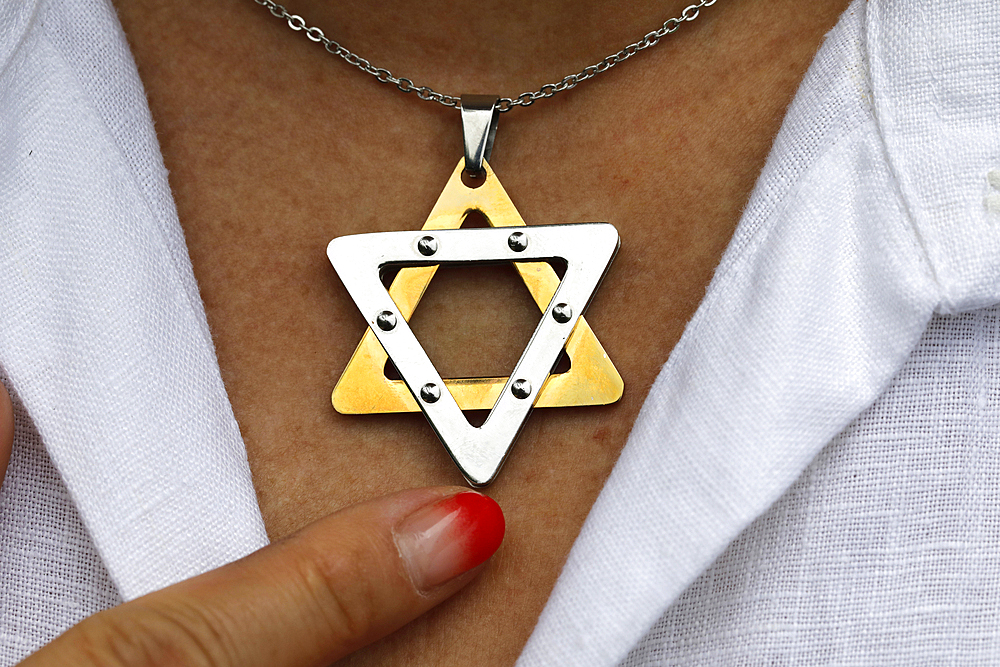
x=441 y=541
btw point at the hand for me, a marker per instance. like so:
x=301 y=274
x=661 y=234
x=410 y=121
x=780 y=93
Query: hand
x=337 y=585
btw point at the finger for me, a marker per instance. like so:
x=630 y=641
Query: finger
x=339 y=584
x=6 y=430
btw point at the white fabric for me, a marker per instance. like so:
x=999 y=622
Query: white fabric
x=50 y=575
x=873 y=212
x=103 y=338
x=886 y=551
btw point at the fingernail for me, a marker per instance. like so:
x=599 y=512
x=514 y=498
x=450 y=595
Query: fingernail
x=452 y=536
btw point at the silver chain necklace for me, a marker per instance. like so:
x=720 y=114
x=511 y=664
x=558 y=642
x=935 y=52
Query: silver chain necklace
x=586 y=250
x=297 y=23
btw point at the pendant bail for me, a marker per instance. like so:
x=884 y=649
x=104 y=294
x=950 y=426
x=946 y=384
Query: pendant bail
x=480 y=114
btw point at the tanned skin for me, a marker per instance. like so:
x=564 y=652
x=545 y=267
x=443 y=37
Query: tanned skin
x=274 y=148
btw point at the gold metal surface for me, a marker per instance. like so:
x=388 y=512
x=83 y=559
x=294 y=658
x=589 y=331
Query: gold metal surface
x=591 y=379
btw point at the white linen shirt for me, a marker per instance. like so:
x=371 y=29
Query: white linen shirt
x=813 y=478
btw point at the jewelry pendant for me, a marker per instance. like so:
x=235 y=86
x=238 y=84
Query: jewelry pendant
x=586 y=248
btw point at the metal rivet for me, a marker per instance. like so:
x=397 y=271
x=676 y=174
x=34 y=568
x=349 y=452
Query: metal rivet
x=386 y=320
x=521 y=388
x=430 y=393
x=518 y=241
x=562 y=313
x=427 y=245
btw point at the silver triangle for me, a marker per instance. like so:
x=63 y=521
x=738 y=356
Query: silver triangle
x=587 y=248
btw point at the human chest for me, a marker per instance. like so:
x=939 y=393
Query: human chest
x=268 y=163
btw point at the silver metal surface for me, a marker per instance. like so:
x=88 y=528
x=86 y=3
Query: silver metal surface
x=427 y=245
x=521 y=388
x=430 y=393
x=297 y=23
x=386 y=320
x=587 y=249
x=562 y=313
x=479 y=128
x=518 y=241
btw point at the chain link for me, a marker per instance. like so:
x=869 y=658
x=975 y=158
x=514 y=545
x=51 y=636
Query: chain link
x=297 y=23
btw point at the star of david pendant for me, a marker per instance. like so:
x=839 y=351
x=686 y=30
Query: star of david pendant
x=586 y=248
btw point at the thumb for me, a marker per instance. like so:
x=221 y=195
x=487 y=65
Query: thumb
x=341 y=583
x=6 y=429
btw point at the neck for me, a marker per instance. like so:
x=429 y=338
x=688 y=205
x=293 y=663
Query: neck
x=501 y=46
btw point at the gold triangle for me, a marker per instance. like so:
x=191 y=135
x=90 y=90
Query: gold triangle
x=591 y=379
